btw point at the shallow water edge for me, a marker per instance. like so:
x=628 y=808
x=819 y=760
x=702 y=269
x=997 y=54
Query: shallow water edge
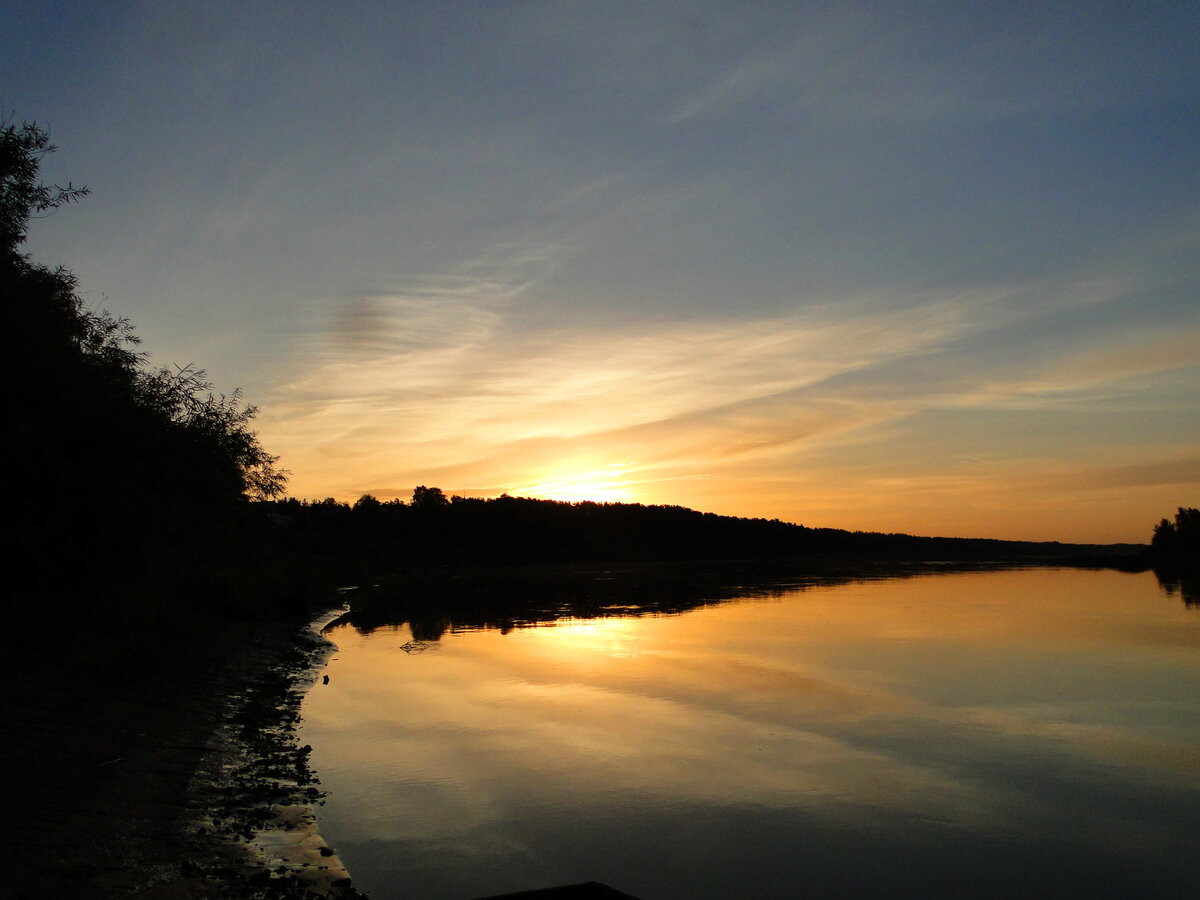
x=255 y=833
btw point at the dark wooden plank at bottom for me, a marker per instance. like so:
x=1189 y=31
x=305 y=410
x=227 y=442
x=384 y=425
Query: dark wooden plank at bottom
x=590 y=890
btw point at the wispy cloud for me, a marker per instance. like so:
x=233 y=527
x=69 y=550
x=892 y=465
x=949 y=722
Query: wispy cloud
x=445 y=380
x=857 y=64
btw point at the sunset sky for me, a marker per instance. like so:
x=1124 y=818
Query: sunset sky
x=923 y=267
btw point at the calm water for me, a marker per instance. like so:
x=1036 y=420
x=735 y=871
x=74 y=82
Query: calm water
x=1032 y=732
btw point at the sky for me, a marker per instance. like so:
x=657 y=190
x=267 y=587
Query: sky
x=919 y=267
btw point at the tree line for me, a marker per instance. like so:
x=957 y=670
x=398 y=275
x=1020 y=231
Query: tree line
x=434 y=529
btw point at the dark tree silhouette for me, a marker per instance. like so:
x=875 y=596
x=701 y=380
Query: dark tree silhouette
x=427 y=498
x=1176 y=544
x=1175 y=555
x=22 y=196
x=128 y=477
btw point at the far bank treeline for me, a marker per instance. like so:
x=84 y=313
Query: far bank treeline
x=436 y=530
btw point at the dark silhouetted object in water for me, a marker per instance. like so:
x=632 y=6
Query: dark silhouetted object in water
x=591 y=890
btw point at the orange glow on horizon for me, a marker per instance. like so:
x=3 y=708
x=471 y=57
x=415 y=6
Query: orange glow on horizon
x=603 y=485
x=751 y=420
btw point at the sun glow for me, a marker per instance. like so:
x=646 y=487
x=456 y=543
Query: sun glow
x=603 y=485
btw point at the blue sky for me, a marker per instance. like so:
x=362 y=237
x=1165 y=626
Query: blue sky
x=921 y=267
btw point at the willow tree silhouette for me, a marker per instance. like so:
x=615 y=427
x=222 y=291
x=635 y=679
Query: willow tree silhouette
x=126 y=478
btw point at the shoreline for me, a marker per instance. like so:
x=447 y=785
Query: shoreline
x=266 y=816
x=162 y=763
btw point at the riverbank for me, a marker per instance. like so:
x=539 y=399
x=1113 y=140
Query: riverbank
x=163 y=764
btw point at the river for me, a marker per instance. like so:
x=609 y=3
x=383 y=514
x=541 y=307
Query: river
x=1031 y=732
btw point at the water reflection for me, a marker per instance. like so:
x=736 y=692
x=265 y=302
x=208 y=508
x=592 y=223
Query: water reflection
x=1186 y=586
x=982 y=734
x=503 y=598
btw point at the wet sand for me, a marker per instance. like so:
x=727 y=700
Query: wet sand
x=162 y=767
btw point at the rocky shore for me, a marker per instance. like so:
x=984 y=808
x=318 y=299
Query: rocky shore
x=164 y=767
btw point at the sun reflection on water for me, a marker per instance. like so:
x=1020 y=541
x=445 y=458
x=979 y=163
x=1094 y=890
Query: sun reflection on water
x=609 y=637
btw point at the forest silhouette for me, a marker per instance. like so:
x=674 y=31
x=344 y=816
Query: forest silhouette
x=435 y=530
